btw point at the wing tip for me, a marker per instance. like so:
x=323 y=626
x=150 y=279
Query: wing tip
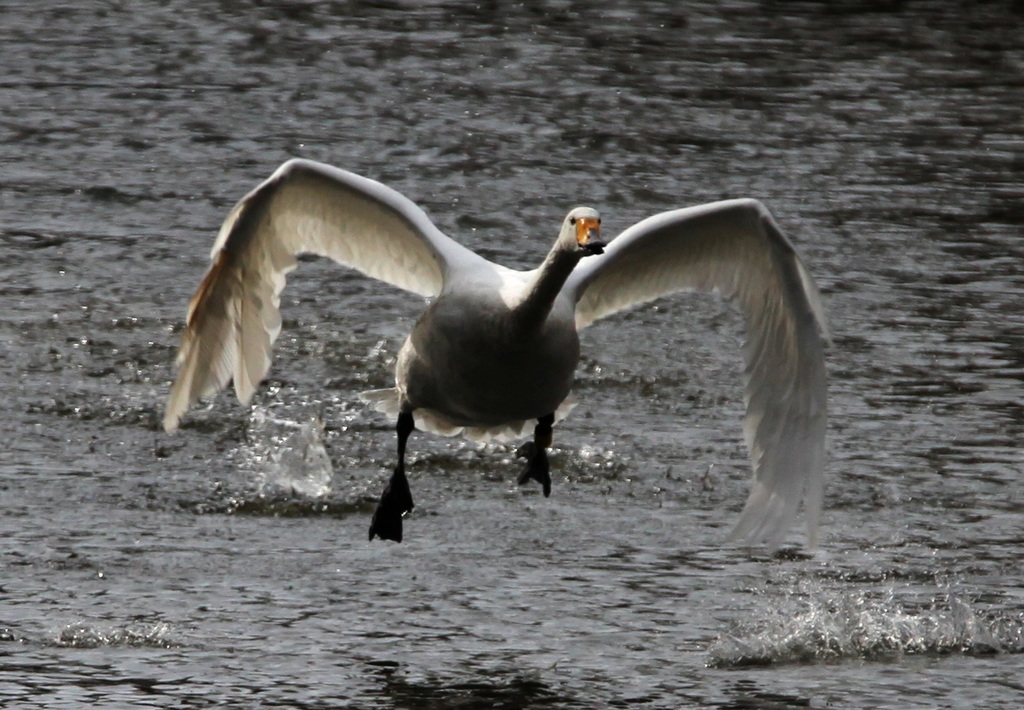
x=171 y=422
x=768 y=517
x=177 y=404
x=182 y=396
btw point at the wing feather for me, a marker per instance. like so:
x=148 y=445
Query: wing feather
x=736 y=249
x=304 y=207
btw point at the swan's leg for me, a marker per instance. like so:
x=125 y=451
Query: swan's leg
x=535 y=453
x=396 y=500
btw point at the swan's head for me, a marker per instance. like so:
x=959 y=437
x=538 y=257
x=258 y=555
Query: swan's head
x=581 y=232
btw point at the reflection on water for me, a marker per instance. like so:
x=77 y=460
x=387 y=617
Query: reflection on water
x=490 y=690
x=228 y=565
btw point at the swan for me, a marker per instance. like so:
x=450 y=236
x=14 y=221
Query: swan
x=496 y=349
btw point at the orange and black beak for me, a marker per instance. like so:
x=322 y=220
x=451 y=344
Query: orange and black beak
x=588 y=231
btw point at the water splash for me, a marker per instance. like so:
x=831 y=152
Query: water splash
x=829 y=627
x=83 y=635
x=288 y=455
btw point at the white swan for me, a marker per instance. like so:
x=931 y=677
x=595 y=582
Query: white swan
x=497 y=349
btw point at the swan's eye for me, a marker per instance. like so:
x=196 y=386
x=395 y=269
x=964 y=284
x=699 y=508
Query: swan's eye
x=572 y=220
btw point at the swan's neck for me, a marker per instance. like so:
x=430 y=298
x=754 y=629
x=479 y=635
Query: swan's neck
x=540 y=295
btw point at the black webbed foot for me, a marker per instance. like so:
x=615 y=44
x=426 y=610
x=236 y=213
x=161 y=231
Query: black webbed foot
x=395 y=502
x=537 y=467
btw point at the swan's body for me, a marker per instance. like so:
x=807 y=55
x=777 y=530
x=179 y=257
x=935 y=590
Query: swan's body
x=497 y=349
x=544 y=358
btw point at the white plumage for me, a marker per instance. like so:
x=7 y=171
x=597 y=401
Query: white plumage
x=497 y=348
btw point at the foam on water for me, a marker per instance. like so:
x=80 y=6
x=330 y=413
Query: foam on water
x=835 y=626
x=85 y=635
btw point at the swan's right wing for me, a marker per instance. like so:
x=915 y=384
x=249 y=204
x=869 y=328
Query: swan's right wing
x=304 y=207
x=735 y=248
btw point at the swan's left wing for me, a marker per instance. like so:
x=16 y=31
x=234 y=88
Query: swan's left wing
x=735 y=248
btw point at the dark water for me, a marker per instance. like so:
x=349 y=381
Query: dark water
x=217 y=568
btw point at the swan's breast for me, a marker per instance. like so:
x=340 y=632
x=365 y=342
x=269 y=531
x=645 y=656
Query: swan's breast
x=467 y=360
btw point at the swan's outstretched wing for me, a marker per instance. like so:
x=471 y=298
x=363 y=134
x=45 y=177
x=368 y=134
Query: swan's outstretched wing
x=736 y=249
x=233 y=319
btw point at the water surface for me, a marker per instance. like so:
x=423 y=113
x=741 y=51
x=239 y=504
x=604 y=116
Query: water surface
x=207 y=569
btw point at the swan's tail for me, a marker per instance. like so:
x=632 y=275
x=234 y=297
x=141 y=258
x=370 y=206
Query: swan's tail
x=387 y=402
